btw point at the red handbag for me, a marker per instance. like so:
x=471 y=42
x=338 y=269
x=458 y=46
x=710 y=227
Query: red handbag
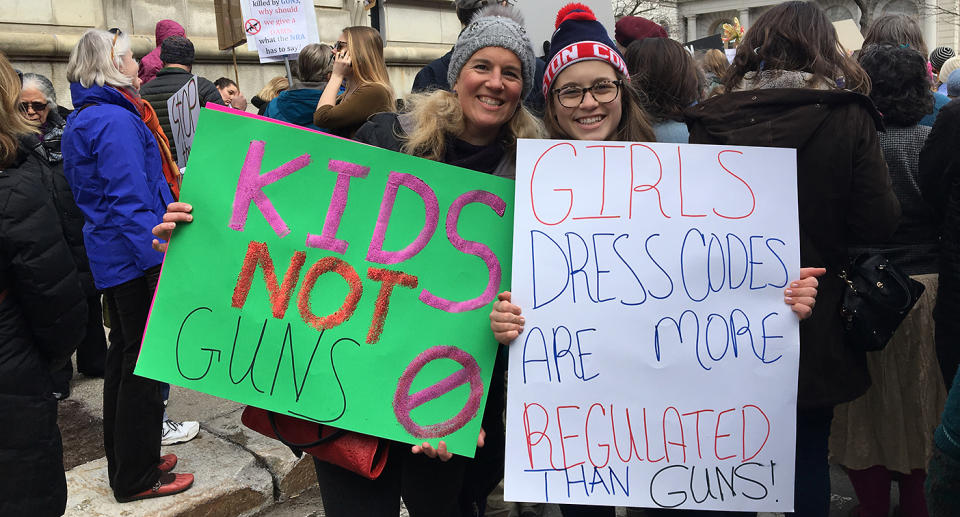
x=361 y=454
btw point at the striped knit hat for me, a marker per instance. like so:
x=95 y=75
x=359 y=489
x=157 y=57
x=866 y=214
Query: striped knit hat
x=940 y=55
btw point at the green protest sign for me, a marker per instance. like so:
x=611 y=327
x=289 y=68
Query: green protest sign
x=333 y=281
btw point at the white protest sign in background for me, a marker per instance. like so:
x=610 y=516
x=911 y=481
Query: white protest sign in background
x=279 y=29
x=183 y=109
x=658 y=362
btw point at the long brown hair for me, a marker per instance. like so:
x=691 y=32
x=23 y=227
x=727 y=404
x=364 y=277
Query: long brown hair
x=666 y=74
x=633 y=127
x=366 y=55
x=896 y=29
x=796 y=36
x=12 y=123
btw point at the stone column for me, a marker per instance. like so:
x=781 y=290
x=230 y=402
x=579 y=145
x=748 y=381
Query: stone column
x=745 y=17
x=691 y=27
x=929 y=14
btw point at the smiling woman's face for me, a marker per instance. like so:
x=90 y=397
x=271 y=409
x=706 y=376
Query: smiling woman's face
x=489 y=89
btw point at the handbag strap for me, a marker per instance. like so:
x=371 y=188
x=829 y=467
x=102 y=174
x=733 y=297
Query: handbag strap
x=320 y=439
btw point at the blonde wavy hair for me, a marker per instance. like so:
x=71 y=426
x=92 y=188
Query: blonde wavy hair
x=273 y=88
x=12 y=123
x=366 y=55
x=438 y=113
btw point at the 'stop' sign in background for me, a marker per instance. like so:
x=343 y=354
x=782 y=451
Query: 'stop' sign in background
x=658 y=362
x=333 y=281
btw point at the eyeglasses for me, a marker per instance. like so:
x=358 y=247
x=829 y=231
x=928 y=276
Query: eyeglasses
x=602 y=92
x=36 y=105
x=339 y=45
x=116 y=34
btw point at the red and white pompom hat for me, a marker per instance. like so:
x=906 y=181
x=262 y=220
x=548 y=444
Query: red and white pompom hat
x=579 y=37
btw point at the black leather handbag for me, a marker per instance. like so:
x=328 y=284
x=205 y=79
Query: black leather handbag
x=877 y=297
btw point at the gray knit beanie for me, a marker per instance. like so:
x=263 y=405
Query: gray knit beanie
x=176 y=50
x=495 y=26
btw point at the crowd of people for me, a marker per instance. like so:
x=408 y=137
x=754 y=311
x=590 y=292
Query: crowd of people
x=89 y=197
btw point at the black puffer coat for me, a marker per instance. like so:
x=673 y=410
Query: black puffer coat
x=71 y=218
x=167 y=82
x=843 y=190
x=940 y=184
x=42 y=318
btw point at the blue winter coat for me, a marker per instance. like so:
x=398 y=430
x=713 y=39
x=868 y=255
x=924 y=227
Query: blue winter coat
x=295 y=107
x=112 y=162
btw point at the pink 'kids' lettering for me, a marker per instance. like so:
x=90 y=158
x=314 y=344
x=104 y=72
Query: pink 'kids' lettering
x=250 y=188
x=470 y=248
x=328 y=238
x=376 y=253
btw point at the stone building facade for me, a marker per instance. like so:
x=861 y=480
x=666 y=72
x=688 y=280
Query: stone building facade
x=37 y=36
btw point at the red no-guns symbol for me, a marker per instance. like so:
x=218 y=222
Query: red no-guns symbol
x=404 y=402
x=252 y=26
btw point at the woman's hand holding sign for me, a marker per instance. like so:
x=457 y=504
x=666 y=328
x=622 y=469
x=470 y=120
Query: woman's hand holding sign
x=441 y=450
x=801 y=295
x=505 y=319
x=176 y=213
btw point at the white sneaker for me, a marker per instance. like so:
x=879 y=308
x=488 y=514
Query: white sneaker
x=178 y=432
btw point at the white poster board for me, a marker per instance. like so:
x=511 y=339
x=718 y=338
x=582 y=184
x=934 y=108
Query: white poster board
x=278 y=29
x=183 y=109
x=658 y=356
x=540 y=18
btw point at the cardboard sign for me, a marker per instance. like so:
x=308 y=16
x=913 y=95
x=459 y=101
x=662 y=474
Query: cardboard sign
x=333 y=281
x=848 y=34
x=658 y=362
x=278 y=29
x=183 y=109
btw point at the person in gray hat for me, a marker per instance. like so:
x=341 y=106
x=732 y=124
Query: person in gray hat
x=176 y=53
x=434 y=75
x=475 y=126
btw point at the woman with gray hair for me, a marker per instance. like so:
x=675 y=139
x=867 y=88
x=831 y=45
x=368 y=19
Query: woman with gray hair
x=297 y=104
x=38 y=104
x=113 y=163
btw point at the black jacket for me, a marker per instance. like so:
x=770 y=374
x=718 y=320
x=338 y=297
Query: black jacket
x=71 y=218
x=42 y=318
x=843 y=190
x=162 y=87
x=940 y=184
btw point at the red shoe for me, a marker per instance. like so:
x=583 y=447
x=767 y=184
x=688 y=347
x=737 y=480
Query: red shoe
x=167 y=462
x=168 y=484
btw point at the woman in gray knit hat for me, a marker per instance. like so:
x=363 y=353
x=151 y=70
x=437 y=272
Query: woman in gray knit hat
x=477 y=124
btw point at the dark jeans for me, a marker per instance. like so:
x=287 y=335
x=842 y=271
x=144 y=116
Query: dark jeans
x=428 y=486
x=943 y=474
x=131 y=404
x=91 y=352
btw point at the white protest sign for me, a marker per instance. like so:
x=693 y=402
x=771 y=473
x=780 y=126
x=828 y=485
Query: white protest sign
x=278 y=29
x=183 y=109
x=658 y=362
x=540 y=17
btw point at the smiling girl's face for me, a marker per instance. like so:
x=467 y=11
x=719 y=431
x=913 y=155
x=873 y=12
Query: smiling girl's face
x=591 y=120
